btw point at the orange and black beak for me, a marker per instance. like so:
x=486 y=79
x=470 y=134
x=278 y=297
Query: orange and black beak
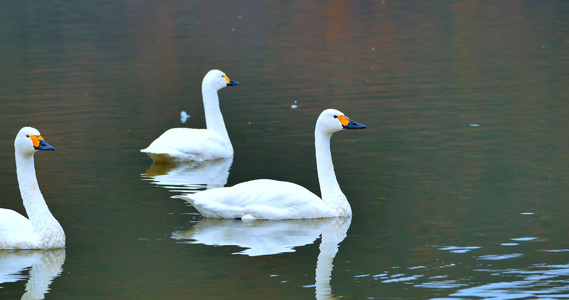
x=230 y=82
x=349 y=124
x=40 y=144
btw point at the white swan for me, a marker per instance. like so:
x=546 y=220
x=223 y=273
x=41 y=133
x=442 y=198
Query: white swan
x=189 y=144
x=41 y=231
x=272 y=199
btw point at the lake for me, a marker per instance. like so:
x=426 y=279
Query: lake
x=458 y=187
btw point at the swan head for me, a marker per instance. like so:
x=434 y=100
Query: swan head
x=29 y=140
x=217 y=80
x=332 y=120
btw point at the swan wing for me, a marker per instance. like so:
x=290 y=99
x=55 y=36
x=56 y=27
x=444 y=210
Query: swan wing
x=16 y=231
x=186 y=144
x=259 y=199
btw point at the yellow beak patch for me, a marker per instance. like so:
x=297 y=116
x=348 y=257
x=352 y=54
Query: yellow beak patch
x=36 y=139
x=344 y=120
x=226 y=78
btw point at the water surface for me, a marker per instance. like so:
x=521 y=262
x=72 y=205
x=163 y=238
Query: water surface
x=458 y=186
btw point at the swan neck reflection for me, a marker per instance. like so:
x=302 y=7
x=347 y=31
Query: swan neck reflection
x=332 y=236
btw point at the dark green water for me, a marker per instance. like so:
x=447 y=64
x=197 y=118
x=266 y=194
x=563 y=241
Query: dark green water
x=458 y=186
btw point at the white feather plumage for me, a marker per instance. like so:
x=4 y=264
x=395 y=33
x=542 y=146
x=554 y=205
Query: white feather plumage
x=41 y=230
x=189 y=144
x=272 y=199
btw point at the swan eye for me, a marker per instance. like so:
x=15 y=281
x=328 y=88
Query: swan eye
x=27 y=135
x=335 y=117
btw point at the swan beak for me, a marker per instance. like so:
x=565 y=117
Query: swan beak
x=40 y=144
x=349 y=124
x=230 y=82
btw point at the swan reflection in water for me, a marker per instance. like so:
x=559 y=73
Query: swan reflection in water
x=45 y=265
x=268 y=237
x=190 y=176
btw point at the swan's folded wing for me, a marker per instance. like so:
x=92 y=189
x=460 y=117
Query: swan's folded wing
x=14 y=227
x=259 y=199
x=190 y=144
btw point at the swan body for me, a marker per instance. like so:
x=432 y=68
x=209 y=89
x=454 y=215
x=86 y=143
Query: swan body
x=272 y=199
x=41 y=230
x=263 y=199
x=189 y=144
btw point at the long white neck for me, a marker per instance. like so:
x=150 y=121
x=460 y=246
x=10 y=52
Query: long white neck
x=48 y=230
x=331 y=193
x=213 y=117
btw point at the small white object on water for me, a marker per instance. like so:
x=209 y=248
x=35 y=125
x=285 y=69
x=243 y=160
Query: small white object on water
x=184 y=116
x=474 y=125
x=294 y=105
x=524 y=239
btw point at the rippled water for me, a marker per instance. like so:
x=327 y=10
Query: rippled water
x=458 y=186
